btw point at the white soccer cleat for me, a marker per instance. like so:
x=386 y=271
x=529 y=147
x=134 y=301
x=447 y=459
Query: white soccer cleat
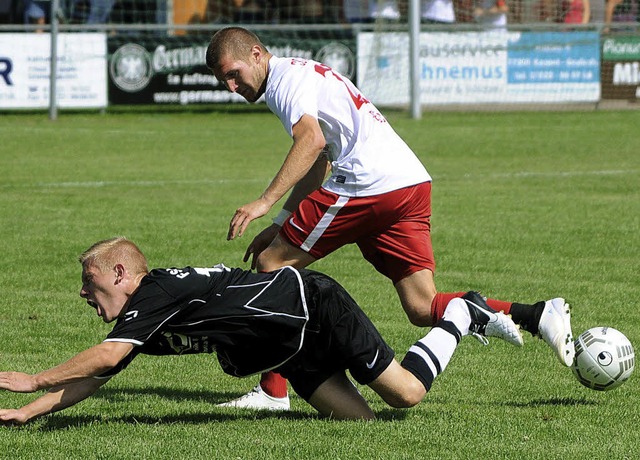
x=555 y=329
x=259 y=400
x=486 y=322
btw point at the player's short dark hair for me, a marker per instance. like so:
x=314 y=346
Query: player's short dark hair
x=234 y=41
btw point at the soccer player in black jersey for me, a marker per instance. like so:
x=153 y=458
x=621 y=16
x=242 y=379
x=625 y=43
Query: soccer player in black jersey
x=299 y=323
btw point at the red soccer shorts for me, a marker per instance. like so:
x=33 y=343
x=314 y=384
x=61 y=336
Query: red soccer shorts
x=392 y=230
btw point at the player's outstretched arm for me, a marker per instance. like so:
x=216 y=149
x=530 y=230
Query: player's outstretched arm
x=308 y=143
x=56 y=399
x=310 y=182
x=89 y=363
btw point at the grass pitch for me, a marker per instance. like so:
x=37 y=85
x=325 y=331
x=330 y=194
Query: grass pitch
x=526 y=206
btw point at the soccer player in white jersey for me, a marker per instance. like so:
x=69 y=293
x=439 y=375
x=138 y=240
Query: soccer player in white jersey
x=377 y=195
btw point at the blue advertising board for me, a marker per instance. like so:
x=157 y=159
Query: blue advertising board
x=483 y=67
x=553 y=57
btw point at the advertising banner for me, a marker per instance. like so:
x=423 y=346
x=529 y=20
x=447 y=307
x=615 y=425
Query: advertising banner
x=173 y=70
x=482 y=67
x=554 y=67
x=621 y=68
x=25 y=68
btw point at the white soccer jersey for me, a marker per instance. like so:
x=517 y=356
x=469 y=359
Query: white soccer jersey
x=367 y=156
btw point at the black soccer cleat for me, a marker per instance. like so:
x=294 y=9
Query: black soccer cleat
x=486 y=322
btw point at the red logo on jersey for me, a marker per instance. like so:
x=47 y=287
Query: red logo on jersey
x=358 y=99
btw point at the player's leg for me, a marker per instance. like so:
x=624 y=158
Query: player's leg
x=406 y=384
x=417 y=293
x=398 y=387
x=338 y=398
x=404 y=254
x=549 y=320
x=269 y=394
x=280 y=253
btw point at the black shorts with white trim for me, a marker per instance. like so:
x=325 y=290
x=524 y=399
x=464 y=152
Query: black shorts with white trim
x=339 y=336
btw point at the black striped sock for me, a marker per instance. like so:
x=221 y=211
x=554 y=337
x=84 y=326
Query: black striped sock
x=429 y=356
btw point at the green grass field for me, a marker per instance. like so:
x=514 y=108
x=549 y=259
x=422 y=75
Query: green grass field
x=526 y=206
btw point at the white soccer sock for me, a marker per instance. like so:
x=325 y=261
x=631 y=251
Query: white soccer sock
x=429 y=356
x=457 y=313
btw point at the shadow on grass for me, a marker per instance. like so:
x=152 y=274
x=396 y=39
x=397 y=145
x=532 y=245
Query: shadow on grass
x=219 y=415
x=553 y=402
x=61 y=421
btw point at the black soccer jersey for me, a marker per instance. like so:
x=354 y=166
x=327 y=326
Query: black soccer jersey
x=253 y=321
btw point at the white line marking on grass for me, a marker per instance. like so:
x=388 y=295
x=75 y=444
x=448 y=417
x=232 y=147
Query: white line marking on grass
x=133 y=183
x=604 y=172
x=59 y=129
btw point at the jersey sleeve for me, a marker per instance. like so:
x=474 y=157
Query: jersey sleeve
x=294 y=93
x=150 y=307
x=118 y=367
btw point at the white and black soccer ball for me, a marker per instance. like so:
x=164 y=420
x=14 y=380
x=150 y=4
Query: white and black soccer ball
x=604 y=358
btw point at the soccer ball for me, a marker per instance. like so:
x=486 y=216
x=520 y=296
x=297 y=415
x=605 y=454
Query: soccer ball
x=604 y=358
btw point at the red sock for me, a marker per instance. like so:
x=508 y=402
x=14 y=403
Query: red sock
x=440 y=302
x=500 y=305
x=273 y=384
x=442 y=299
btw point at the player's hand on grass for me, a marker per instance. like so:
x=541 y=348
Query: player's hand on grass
x=12 y=417
x=244 y=215
x=260 y=243
x=18 y=382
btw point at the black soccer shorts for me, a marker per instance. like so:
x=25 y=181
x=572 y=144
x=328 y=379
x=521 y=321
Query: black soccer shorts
x=339 y=336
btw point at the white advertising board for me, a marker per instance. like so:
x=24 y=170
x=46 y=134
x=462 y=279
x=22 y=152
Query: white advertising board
x=25 y=69
x=482 y=67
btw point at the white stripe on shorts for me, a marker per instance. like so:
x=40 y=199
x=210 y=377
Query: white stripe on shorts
x=325 y=221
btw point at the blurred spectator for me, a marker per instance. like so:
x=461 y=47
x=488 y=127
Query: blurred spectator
x=37 y=12
x=251 y=11
x=367 y=11
x=218 y=12
x=576 y=11
x=437 y=12
x=620 y=11
x=492 y=13
x=161 y=11
x=386 y=10
x=91 y=11
x=354 y=11
x=597 y=11
x=547 y=11
x=7 y=12
x=99 y=11
x=307 y=12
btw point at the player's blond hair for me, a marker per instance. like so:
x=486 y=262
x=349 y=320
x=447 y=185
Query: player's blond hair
x=236 y=42
x=106 y=254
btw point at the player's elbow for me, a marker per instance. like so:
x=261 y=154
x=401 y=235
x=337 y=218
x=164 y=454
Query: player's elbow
x=109 y=355
x=308 y=134
x=104 y=361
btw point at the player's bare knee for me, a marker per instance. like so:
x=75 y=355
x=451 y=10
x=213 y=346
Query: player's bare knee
x=412 y=393
x=420 y=317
